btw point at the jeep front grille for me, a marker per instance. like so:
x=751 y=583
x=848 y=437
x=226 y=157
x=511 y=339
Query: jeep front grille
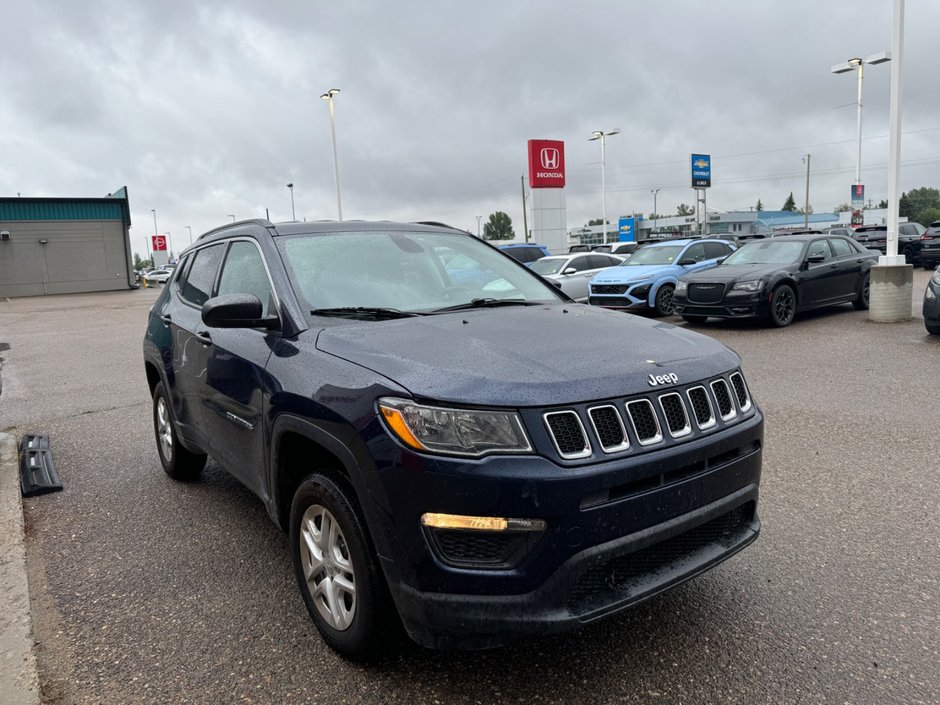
x=634 y=424
x=609 y=428
x=723 y=397
x=645 y=423
x=568 y=434
x=740 y=390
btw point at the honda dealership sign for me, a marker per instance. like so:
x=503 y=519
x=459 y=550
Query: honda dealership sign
x=546 y=164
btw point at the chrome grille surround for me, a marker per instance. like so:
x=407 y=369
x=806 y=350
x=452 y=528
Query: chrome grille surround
x=604 y=430
x=740 y=391
x=642 y=414
x=697 y=395
x=552 y=417
x=726 y=408
x=594 y=413
x=677 y=418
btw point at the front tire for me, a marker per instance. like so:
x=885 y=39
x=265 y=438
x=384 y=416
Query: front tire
x=864 y=295
x=782 y=306
x=664 y=304
x=336 y=569
x=178 y=463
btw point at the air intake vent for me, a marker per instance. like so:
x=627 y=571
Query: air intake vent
x=609 y=428
x=723 y=397
x=567 y=434
x=644 y=421
x=677 y=421
x=740 y=391
x=701 y=407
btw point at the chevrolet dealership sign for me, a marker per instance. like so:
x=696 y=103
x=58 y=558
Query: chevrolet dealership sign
x=701 y=171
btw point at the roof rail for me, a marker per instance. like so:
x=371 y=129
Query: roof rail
x=434 y=222
x=263 y=222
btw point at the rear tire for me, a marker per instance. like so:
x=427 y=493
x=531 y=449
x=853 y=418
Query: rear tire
x=864 y=295
x=782 y=306
x=664 y=304
x=932 y=328
x=908 y=253
x=178 y=463
x=336 y=569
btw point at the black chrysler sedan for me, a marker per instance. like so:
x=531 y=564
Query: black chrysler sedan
x=774 y=279
x=446 y=437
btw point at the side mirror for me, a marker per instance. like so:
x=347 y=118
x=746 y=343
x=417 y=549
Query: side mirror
x=570 y=270
x=555 y=283
x=721 y=260
x=236 y=311
x=686 y=262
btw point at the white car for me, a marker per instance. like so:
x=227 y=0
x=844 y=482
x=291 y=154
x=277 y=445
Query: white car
x=574 y=271
x=159 y=275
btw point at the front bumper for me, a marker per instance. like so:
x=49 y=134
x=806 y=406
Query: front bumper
x=618 y=532
x=931 y=308
x=744 y=306
x=627 y=297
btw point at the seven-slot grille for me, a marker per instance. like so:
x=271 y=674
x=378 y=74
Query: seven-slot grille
x=648 y=421
x=705 y=292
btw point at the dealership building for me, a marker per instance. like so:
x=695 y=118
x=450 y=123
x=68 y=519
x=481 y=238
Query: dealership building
x=65 y=245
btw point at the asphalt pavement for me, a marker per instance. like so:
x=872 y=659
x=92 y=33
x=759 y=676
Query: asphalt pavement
x=143 y=590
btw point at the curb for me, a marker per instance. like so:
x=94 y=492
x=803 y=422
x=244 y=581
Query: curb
x=19 y=679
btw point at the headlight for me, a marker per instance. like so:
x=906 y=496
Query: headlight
x=681 y=287
x=467 y=432
x=929 y=295
x=755 y=285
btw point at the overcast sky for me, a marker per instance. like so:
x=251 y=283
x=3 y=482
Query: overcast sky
x=205 y=109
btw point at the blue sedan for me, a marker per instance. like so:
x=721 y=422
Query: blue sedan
x=647 y=280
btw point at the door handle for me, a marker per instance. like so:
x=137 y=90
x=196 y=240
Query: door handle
x=166 y=318
x=203 y=337
x=833 y=266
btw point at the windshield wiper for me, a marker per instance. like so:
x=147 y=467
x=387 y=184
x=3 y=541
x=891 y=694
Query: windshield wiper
x=364 y=311
x=486 y=303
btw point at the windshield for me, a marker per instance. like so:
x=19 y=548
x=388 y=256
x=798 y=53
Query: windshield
x=546 y=266
x=769 y=252
x=654 y=255
x=404 y=271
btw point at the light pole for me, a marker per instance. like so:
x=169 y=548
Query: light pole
x=478 y=225
x=293 y=215
x=602 y=136
x=856 y=64
x=190 y=229
x=654 y=191
x=169 y=239
x=328 y=97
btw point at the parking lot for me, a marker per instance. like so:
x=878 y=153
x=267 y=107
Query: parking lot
x=144 y=590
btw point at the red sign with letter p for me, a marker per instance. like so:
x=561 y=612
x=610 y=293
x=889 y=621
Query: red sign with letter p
x=159 y=242
x=546 y=164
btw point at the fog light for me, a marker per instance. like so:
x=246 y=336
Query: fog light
x=460 y=521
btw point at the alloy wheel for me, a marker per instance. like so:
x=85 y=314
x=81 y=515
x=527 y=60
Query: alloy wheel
x=164 y=430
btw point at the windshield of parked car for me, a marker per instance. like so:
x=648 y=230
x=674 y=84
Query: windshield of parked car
x=654 y=255
x=405 y=272
x=546 y=266
x=768 y=252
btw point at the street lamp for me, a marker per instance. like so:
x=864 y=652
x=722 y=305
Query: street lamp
x=328 y=97
x=155 y=233
x=856 y=64
x=190 y=229
x=293 y=215
x=478 y=225
x=654 y=191
x=602 y=136
x=169 y=239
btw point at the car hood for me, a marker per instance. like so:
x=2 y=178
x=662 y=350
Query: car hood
x=735 y=272
x=619 y=274
x=526 y=356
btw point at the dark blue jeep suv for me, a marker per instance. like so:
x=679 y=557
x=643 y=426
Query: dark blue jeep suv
x=478 y=456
